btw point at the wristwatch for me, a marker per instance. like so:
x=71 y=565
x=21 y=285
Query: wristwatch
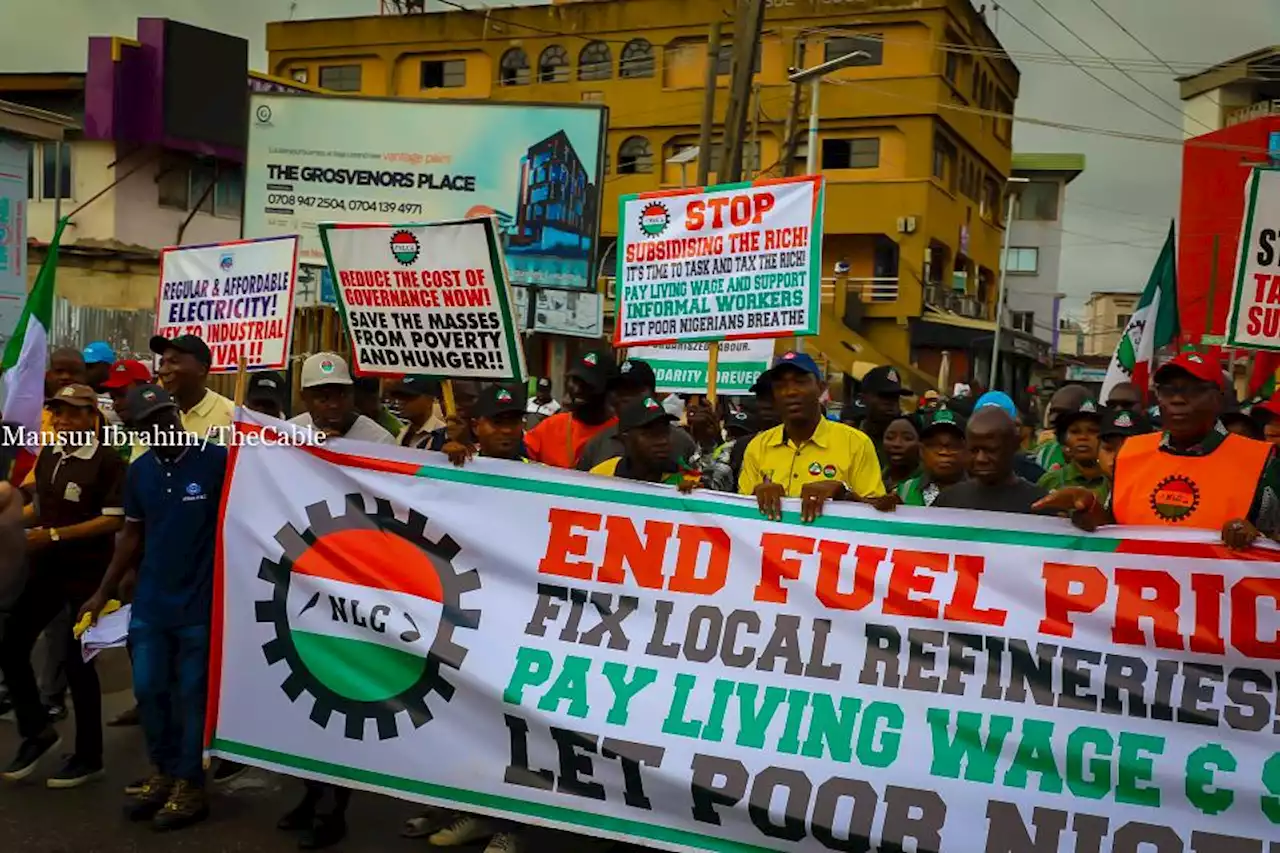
x=53 y=535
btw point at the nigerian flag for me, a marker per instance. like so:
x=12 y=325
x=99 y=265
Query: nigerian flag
x=25 y=357
x=1154 y=324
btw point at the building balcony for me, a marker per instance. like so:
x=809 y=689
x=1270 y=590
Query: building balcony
x=958 y=302
x=859 y=289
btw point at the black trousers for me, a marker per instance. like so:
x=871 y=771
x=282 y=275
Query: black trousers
x=42 y=599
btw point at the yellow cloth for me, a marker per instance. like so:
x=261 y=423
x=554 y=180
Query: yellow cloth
x=87 y=619
x=834 y=452
x=214 y=412
x=607 y=468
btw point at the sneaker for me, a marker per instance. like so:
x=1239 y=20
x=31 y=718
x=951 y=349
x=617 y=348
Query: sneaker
x=150 y=798
x=504 y=842
x=464 y=830
x=135 y=787
x=29 y=754
x=431 y=821
x=326 y=831
x=75 y=773
x=187 y=806
x=57 y=713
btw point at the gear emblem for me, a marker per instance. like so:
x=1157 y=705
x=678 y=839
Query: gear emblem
x=364 y=608
x=654 y=219
x=1175 y=499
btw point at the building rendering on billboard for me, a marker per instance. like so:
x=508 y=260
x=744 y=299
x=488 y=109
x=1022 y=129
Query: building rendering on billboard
x=536 y=169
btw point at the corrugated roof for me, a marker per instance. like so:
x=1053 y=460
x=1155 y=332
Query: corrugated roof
x=1048 y=163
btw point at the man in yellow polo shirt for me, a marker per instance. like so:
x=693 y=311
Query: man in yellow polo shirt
x=184 y=373
x=807 y=456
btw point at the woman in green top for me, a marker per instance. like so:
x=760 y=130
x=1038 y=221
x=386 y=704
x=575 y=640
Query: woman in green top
x=1078 y=433
x=944 y=457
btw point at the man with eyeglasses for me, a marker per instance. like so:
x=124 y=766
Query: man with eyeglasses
x=1194 y=474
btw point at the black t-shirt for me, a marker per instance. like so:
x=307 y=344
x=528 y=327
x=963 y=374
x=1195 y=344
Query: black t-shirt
x=1017 y=496
x=72 y=488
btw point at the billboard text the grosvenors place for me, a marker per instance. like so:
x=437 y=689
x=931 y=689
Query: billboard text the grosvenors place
x=677 y=669
x=535 y=169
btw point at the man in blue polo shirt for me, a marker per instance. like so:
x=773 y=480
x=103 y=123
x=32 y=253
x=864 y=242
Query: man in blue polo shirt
x=171 y=505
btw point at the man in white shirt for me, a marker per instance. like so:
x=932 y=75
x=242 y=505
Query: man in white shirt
x=329 y=396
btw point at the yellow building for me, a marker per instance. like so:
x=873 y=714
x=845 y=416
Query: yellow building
x=913 y=212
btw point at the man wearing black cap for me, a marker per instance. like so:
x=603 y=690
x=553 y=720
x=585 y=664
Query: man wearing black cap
x=1194 y=474
x=634 y=380
x=1118 y=426
x=807 y=456
x=497 y=422
x=416 y=396
x=184 y=374
x=944 y=457
x=645 y=428
x=543 y=405
x=265 y=393
x=881 y=393
x=560 y=439
x=171 y=500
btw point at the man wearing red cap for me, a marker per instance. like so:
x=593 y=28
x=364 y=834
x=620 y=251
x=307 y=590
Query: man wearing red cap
x=1195 y=474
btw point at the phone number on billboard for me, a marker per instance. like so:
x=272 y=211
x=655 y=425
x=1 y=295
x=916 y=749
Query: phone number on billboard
x=325 y=203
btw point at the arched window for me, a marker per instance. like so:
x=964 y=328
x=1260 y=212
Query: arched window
x=595 y=62
x=637 y=59
x=513 y=70
x=553 y=65
x=635 y=157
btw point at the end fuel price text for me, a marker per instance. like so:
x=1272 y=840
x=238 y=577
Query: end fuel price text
x=819 y=717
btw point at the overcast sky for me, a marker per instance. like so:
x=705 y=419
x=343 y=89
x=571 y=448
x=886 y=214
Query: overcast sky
x=1117 y=212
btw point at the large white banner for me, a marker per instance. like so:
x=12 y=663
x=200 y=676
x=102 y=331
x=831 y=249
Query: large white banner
x=536 y=168
x=720 y=263
x=237 y=296
x=625 y=661
x=1254 y=321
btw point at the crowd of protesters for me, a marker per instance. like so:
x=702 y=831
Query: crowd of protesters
x=138 y=521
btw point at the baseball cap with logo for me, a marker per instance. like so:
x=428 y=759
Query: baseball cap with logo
x=126 y=373
x=1089 y=410
x=144 y=401
x=635 y=373
x=1123 y=423
x=884 y=380
x=267 y=385
x=792 y=361
x=596 y=368
x=192 y=345
x=416 y=386
x=941 y=418
x=80 y=396
x=1193 y=364
x=498 y=400
x=325 y=368
x=642 y=412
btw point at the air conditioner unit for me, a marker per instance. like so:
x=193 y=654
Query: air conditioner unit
x=906 y=225
x=611 y=288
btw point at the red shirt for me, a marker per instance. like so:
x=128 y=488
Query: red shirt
x=558 y=440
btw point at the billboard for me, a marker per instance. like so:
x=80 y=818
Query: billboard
x=13 y=234
x=536 y=169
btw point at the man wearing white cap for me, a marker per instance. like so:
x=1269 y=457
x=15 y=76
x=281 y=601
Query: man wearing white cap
x=329 y=395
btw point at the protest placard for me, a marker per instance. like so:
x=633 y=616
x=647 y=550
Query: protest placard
x=237 y=296
x=1254 y=321
x=720 y=263
x=430 y=298
x=682 y=368
x=622 y=660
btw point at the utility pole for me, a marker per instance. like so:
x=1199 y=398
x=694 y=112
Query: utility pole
x=746 y=45
x=708 y=105
x=793 y=111
x=755 y=132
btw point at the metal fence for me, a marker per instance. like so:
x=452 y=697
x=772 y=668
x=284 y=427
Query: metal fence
x=128 y=331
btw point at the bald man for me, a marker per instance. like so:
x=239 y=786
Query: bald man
x=992 y=438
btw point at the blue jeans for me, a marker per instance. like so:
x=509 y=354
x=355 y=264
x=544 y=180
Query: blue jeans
x=170 y=681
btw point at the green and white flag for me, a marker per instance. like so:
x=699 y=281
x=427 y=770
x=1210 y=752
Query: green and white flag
x=1154 y=324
